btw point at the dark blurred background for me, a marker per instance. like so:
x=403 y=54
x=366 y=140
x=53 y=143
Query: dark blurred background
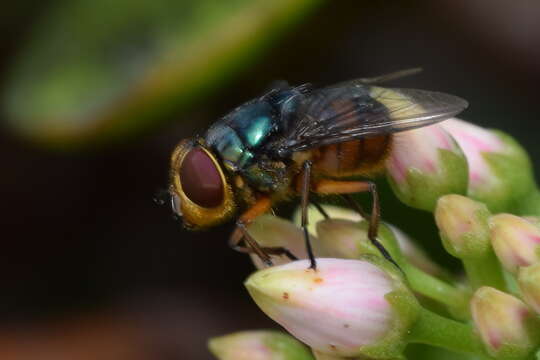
x=91 y=268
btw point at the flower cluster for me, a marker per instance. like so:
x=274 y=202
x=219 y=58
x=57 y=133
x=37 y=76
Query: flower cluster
x=478 y=184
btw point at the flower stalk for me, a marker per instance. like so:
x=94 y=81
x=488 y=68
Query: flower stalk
x=436 y=330
x=455 y=299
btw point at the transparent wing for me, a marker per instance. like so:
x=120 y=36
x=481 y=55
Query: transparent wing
x=353 y=110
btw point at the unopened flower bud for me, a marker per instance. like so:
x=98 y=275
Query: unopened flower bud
x=516 y=241
x=425 y=164
x=333 y=212
x=463 y=225
x=344 y=308
x=346 y=239
x=500 y=172
x=258 y=345
x=529 y=284
x=274 y=232
x=507 y=327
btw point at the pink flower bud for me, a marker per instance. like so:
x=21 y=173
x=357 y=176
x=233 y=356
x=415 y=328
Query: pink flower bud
x=425 y=164
x=334 y=212
x=475 y=141
x=495 y=160
x=504 y=322
x=338 y=309
x=346 y=239
x=529 y=284
x=339 y=238
x=515 y=240
x=258 y=345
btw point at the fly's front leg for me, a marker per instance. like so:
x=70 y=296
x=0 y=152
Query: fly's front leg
x=327 y=186
x=240 y=234
x=304 y=193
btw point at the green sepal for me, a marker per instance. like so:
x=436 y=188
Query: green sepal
x=513 y=181
x=530 y=205
x=422 y=190
x=287 y=345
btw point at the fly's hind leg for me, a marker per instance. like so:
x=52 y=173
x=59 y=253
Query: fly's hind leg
x=326 y=186
x=240 y=234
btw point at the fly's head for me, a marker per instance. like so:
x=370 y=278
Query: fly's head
x=200 y=193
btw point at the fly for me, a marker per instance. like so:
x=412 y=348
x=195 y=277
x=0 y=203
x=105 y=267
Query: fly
x=292 y=142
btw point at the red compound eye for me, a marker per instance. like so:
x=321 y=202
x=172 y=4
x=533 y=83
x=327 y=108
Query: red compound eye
x=200 y=179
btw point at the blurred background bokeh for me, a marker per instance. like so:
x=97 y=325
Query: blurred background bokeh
x=95 y=94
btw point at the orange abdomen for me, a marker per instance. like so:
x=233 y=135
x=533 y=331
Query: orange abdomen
x=362 y=157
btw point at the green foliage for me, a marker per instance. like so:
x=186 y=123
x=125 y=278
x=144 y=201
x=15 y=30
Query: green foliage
x=98 y=71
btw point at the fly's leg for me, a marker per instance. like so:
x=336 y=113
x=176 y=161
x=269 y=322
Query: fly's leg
x=320 y=209
x=241 y=234
x=304 y=193
x=254 y=248
x=356 y=207
x=392 y=76
x=327 y=186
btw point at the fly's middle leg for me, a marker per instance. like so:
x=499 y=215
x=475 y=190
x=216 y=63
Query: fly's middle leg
x=305 y=188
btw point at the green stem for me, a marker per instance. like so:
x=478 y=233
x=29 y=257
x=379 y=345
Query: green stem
x=485 y=271
x=435 y=330
x=423 y=283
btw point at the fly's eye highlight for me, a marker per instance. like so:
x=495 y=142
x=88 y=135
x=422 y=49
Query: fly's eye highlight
x=200 y=179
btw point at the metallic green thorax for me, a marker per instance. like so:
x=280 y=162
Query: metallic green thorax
x=239 y=138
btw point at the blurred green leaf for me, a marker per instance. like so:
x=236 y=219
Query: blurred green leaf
x=97 y=70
